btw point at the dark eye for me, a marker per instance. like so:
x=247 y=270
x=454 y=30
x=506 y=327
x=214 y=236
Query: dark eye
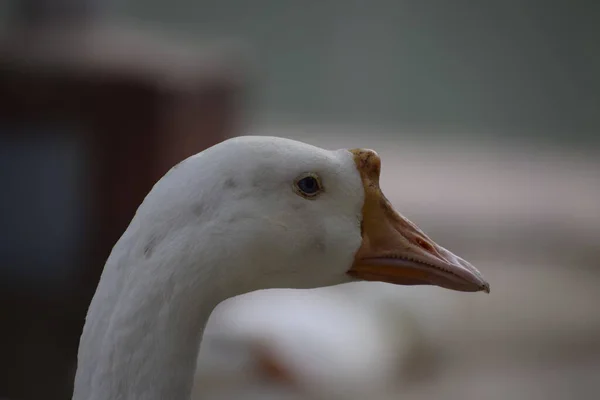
x=308 y=185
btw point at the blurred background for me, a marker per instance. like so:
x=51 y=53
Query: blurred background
x=486 y=115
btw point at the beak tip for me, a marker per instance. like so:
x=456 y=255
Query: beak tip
x=485 y=287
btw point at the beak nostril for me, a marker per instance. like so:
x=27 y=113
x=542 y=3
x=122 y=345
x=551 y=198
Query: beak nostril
x=424 y=245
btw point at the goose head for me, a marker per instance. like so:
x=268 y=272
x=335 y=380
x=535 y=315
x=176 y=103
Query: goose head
x=272 y=212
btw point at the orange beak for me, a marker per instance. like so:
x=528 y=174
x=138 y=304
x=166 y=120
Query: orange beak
x=395 y=250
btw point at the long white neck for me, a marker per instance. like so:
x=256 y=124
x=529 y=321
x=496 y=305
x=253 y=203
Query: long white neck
x=144 y=327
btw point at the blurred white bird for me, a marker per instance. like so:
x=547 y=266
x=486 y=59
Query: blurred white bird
x=350 y=341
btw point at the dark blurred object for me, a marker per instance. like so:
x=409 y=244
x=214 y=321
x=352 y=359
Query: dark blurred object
x=91 y=115
x=35 y=13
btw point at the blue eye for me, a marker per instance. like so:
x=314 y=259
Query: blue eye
x=308 y=186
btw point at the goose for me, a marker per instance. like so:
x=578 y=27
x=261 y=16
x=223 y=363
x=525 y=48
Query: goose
x=250 y=213
x=336 y=342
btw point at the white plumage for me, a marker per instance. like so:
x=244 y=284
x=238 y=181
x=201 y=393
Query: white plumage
x=337 y=342
x=236 y=218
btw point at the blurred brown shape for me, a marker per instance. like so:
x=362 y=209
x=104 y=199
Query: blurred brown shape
x=142 y=103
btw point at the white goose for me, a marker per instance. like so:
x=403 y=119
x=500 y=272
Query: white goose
x=247 y=214
x=339 y=342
